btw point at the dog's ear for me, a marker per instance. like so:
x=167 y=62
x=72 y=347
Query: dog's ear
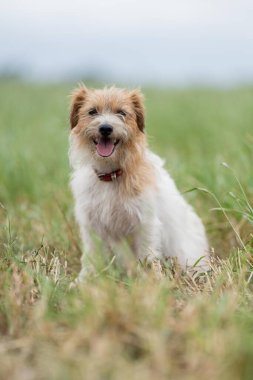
x=137 y=99
x=77 y=100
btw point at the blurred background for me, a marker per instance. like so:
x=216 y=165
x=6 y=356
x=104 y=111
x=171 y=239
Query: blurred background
x=160 y=42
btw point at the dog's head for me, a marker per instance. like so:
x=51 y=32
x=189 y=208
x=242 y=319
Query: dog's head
x=107 y=121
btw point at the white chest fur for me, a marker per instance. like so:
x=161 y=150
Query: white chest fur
x=100 y=206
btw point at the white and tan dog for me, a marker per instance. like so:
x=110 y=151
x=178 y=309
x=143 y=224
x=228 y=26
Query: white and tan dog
x=120 y=187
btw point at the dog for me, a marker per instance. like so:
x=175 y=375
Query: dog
x=120 y=187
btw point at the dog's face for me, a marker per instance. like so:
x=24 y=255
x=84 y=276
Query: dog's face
x=107 y=121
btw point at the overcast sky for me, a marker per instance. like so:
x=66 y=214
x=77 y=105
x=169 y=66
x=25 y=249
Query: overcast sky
x=137 y=41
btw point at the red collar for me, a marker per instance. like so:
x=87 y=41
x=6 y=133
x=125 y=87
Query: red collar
x=109 y=177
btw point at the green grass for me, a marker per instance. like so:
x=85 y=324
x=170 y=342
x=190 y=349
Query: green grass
x=124 y=324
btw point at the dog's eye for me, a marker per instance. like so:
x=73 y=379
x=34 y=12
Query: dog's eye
x=93 y=112
x=121 y=112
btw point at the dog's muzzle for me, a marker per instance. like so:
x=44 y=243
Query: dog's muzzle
x=105 y=144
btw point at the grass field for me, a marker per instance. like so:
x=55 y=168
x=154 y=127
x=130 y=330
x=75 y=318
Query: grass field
x=124 y=324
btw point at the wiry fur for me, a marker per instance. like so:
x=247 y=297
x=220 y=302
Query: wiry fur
x=143 y=205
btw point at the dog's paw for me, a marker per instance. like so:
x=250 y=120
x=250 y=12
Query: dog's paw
x=76 y=282
x=73 y=284
x=156 y=268
x=81 y=278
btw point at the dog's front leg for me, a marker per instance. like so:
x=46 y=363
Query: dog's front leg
x=87 y=266
x=146 y=247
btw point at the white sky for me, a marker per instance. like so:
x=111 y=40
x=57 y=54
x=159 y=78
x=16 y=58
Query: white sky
x=176 y=42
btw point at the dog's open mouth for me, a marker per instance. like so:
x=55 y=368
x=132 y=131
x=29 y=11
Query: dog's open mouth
x=105 y=146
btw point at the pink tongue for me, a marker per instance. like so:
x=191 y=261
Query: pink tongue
x=105 y=148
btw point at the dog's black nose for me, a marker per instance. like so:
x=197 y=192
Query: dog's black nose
x=105 y=130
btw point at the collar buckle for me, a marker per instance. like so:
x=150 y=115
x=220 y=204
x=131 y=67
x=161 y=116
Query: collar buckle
x=113 y=176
